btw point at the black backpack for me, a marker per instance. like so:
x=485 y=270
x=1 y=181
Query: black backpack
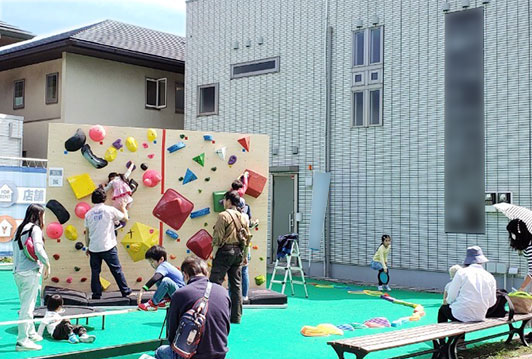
x=498 y=310
x=190 y=328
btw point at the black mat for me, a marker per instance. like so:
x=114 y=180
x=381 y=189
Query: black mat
x=265 y=297
x=78 y=298
x=68 y=311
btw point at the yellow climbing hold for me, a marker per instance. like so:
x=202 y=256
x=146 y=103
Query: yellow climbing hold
x=139 y=239
x=152 y=134
x=110 y=154
x=71 y=232
x=82 y=185
x=132 y=144
x=105 y=283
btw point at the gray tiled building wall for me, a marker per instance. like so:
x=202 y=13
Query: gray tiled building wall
x=387 y=179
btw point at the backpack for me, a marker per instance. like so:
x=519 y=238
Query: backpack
x=498 y=310
x=241 y=233
x=28 y=247
x=190 y=327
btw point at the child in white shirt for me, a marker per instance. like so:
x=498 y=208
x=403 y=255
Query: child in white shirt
x=59 y=328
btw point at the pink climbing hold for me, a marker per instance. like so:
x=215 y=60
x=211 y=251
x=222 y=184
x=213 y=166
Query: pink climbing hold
x=69 y=280
x=145 y=144
x=54 y=230
x=97 y=133
x=151 y=178
x=81 y=209
x=151 y=155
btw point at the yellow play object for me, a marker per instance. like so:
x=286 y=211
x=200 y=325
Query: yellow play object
x=82 y=185
x=139 y=239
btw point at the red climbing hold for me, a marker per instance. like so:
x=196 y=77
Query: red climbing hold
x=69 y=280
x=55 y=279
x=83 y=279
x=139 y=279
x=56 y=256
x=172 y=256
x=244 y=141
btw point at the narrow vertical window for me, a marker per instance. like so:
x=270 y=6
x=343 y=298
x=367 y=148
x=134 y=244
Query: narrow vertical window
x=358 y=109
x=156 y=93
x=375 y=107
x=208 y=99
x=161 y=93
x=375 y=46
x=358 y=48
x=51 y=88
x=179 y=97
x=18 y=95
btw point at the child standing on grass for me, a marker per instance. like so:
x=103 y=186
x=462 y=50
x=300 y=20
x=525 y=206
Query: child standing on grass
x=380 y=262
x=59 y=328
x=452 y=272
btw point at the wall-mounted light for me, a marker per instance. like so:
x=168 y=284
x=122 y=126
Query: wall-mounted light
x=260 y=40
x=359 y=23
x=490 y=198
x=248 y=43
x=446 y=7
x=375 y=20
x=295 y=150
x=485 y=1
x=235 y=45
x=465 y=3
x=504 y=197
x=275 y=150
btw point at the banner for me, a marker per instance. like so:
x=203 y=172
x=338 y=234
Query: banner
x=320 y=196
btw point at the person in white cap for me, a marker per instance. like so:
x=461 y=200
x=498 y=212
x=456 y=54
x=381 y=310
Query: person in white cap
x=472 y=291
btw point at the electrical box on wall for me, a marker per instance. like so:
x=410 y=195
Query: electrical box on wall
x=492 y=198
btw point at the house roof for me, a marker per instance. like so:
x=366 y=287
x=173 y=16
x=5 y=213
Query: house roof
x=108 y=39
x=14 y=32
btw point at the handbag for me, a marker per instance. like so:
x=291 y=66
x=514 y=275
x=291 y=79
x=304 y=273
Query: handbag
x=28 y=247
x=522 y=302
x=241 y=233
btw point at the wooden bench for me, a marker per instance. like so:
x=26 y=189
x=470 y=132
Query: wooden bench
x=444 y=337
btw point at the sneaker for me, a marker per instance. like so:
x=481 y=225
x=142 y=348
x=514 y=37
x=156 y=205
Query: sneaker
x=148 y=306
x=85 y=338
x=388 y=288
x=379 y=288
x=165 y=303
x=119 y=225
x=26 y=346
x=35 y=337
x=254 y=224
x=73 y=339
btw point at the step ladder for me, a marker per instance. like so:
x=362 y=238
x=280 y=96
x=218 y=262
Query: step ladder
x=288 y=268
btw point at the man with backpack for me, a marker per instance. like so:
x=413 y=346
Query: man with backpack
x=194 y=332
x=230 y=245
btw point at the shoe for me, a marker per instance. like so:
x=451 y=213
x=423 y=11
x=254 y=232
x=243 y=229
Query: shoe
x=119 y=225
x=73 y=339
x=388 y=288
x=26 y=346
x=148 y=306
x=165 y=303
x=126 y=294
x=85 y=338
x=35 y=337
x=379 y=288
x=254 y=224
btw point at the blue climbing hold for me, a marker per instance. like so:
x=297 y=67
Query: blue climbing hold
x=172 y=234
x=200 y=212
x=176 y=147
x=208 y=137
x=189 y=176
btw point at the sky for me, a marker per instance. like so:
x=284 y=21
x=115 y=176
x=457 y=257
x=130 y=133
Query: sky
x=43 y=17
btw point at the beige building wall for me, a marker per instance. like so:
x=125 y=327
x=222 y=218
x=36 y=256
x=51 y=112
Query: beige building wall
x=37 y=114
x=106 y=92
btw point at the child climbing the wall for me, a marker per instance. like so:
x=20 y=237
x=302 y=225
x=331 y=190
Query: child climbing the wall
x=241 y=185
x=167 y=278
x=122 y=190
x=59 y=328
x=380 y=262
x=452 y=272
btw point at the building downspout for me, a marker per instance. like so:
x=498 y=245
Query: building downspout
x=328 y=137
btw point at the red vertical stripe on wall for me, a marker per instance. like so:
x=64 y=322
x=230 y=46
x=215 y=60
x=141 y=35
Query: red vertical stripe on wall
x=163 y=147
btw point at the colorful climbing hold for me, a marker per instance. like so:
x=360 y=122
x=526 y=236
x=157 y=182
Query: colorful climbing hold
x=83 y=279
x=55 y=279
x=75 y=142
x=81 y=208
x=71 y=232
x=56 y=256
x=132 y=144
x=110 y=154
x=97 y=133
x=232 y=160
x=221 y=152
x=180 y=179
x=151 y=178
x=255 y=247
x=176 y=147
x=118 y=144
x=244 y=141
x=77 y=269
x=205 y=224
x=151 y=155
x=128 y=164
x=172 y=234
x=69 y=280
x=78 y=245
x=145 y=144
x=207 y=179
x=261 y=258
x=208 y=137
x=200 y=159
x=200 y=190
x=139 y=279
x=189 y=176
x=82 y=185
x=94 y=160
x=181 y=136
x=152 y=134
x=172 y=256
x=54 y=230
x=200 y=212
x=260 y=279
x=143 y=166
x=213 y=169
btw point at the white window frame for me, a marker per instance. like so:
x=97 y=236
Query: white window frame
x=157 y=105
x=368 y=106
x=353 y=52
x=367 y=47
x=51 y=100
x=364 y=109
x=15 y=106
x=368 y=50
x=362 y=82
x=179 y=84
x=216 y=98
x=255 y=73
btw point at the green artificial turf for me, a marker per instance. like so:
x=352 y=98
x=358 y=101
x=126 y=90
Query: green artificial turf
x=263 y=333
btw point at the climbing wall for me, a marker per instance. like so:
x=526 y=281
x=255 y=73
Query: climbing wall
x=181 y=175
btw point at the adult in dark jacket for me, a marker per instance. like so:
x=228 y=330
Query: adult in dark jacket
x=213 y=343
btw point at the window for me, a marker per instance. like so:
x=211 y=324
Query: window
x=51 y=88
x=367 y=81
x=208 y=100
x=255 y=68
x=18 y=95
x=179 y=97
x=156 y=93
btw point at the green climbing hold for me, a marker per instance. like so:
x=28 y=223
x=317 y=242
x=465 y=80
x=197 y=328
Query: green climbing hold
x=77 y=269
x=205 y=224
x=199 y=190
x=200 y=159
x=213 y=169
x=181 y=136
x=261 y=258
x=180 y=179
x=207 y=179
x=260 y=279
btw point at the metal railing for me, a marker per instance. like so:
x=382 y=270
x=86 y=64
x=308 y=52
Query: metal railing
x=23 y=162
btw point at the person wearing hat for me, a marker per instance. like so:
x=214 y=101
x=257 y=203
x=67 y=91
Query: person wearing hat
x=472 y=291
